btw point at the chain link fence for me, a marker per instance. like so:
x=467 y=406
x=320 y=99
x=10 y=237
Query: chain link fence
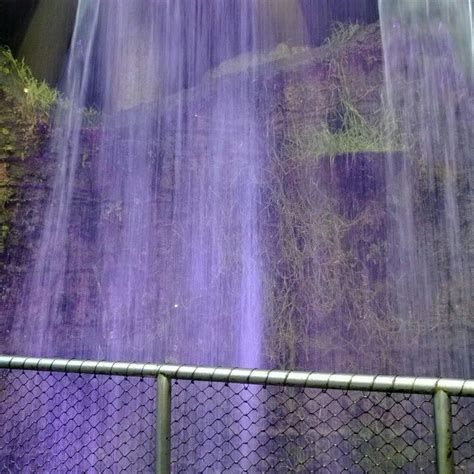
x=288 y=429
x=463 y=433
x=63 y=422
x=77 y=416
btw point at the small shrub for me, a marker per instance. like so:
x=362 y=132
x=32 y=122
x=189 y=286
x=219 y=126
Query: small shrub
x=36 y=98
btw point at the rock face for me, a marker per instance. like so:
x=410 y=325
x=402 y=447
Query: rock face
x=23 y=189
x=326 y=215
x=323 y=211
x=327 y=277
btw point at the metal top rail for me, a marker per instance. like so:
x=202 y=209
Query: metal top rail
x=371 y=383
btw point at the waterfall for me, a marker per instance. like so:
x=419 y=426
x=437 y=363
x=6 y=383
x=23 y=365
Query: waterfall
x=152 y=248
x=428 y=76
x=153 y=243
x=40 y=313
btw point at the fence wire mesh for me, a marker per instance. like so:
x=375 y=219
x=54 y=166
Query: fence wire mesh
x=67 y=422
x=238 y=428
x=463 y=433
x=58 y=423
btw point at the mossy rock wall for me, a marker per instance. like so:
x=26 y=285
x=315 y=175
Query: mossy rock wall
x=24 y=180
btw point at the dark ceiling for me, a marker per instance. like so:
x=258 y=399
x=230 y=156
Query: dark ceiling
x=46 y=56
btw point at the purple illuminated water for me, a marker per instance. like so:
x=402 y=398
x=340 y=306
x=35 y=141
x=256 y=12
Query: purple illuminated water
x=39 y=313
x=428 y=76
x=166 y=261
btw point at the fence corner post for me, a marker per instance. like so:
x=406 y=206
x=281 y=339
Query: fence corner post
x=443 y=433
x=163 y=426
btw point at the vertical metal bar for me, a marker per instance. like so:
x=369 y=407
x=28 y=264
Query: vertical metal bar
x=163 y=426
x=443 y=433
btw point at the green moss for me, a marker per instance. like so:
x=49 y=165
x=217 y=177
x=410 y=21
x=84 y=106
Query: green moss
x=26 y=105
x=323 y=256
x=355 y=135
x=346 y=129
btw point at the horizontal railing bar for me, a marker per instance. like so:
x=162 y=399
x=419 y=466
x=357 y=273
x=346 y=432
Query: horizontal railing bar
x=371 y=383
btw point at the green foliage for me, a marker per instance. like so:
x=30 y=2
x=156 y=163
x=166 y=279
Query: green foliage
x=348 y=130
x=342 y=34
x=26 y=102
x=25 y=108
x=355 y=135
x=323 y=296
x=320 y=279
x=36 y=98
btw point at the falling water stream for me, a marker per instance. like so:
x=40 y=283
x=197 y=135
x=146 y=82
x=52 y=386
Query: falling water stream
x=428 y=76
x=190 y=291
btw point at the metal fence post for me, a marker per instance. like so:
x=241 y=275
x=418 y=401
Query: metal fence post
x=443 y=433
x=163 y=426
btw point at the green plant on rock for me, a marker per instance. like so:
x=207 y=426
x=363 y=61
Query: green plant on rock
x=36 y=98
x=355 y=135
x=320 y=279
x=326 y=298
x=348 y=129
x=341 y=34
